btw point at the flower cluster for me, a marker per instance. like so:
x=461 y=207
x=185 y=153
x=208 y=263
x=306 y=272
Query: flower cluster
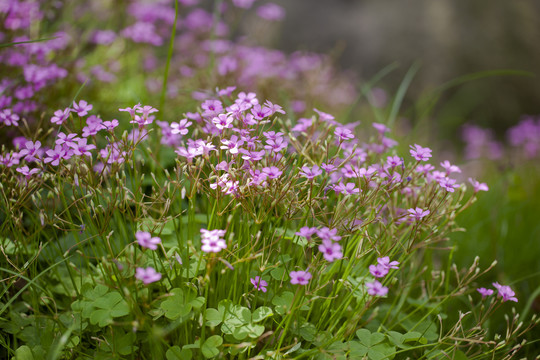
x=503 y=291
x=380 y=270
x=212 y=240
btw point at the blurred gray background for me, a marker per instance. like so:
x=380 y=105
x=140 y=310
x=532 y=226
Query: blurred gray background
x=448 y=38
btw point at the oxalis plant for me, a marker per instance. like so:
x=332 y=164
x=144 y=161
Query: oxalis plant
x=236 y=233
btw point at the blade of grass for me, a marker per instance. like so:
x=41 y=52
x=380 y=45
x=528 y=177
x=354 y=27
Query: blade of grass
x=26 y=42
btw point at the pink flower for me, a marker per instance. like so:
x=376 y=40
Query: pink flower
x=420 y=153
x=211 y=240
x=343 y=134
x=310 y=173
x=300 y=277
x=331 y=251
x=82 y=108
x=148 y=275
x=272 y=172
x=146 y=240
x=375 y=288
x=259 y=283
x=60 y=116
x=223 y=121
x=448 y=184
x=485 y=292
x=271 y=12
x=180 y=127
x=328 y=234
x=25 y=170
x=418 y=213
x=378 y=270
x=450 y=168
x=381 y=128
x=385 y=261
x=306 y=232
x=505 y=292
x=478 y=186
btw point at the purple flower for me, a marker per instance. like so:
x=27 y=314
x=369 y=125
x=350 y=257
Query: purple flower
x=103 y=37
x=375 y=288
x=328 y=234
x=378 y=270
x=55 y=155
x=478 y=186
x=244 y=4
x=81 y=148
x=424 y=169
x=272 y=172
x=300 y=277
x=420 y=153
x=249 y=99
x=110 y=125
x=450 y=168
x=232 y=144
x=394 y=161
x=348 y=189
x=381 y=128
x=343 y=134
x=418 y=213
x=31 y=151
x=276 y=145
x=448 y=183
x=331 y=250
x=306 y=232
x=385 y=261
x=274 y=108
x=69 y=139
x=212 y=240
x=146 y=240
x=259 y=283
x=485 y=292
x=271 y=12
x=8 y=118
x=310 y=172
x=505 y=292
x=328 y=167
x=148 y=275
x=223 y=121
x=60 y=116
x=132 y=110
x=143 y=32
x=25 y=170
x=93 y=125
x=180 y=127
x=82 y=108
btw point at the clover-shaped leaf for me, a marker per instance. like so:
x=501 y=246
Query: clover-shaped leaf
x=177 y=353
x=261 y=313
x=373 y=345
x=177 y=305
x=105 y=308
x=210 y=346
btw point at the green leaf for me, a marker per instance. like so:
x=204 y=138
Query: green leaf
x=193 y=268
x=210 y=346
x=307 y=331
x=176 y=353
x=278 y=273
x=283 y=303
x=241 y=332
x=213 y=317
x=176 y=305
x=261 y=313
x=255 y=330
x=372 y=344
x=24 y=353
